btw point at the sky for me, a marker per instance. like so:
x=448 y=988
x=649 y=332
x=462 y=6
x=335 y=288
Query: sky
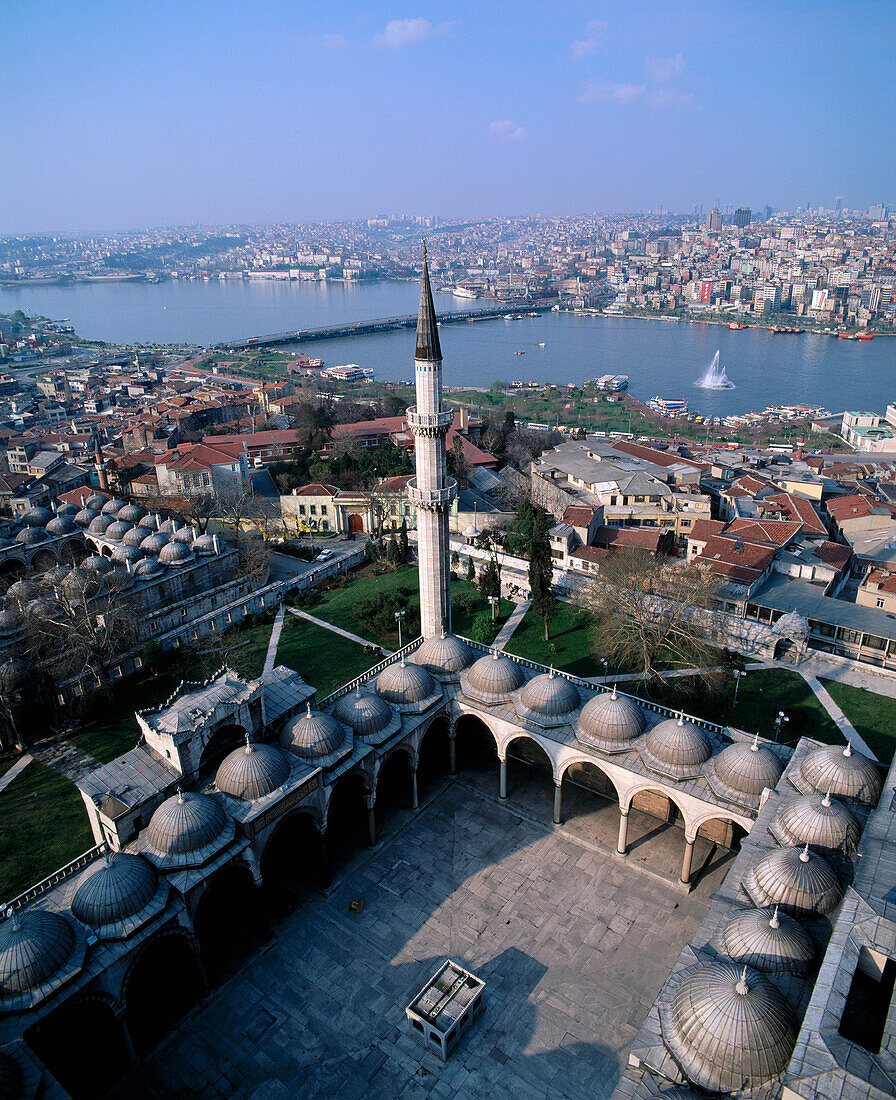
x=119 y=114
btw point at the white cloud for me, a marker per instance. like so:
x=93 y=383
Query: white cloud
x=507 y=131
x=596 y=33
x=660 y=70
x=408 y=32
x=623 y=95
x=669 y=99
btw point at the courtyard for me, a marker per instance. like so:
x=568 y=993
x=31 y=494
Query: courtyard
x=572 y=942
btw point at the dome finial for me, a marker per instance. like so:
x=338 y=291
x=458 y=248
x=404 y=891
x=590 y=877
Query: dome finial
x=804 y=855
x=774 y=922
x=107 y=855
x=755 y=745
x=742 y=988
x=494 y=654
x=403 y=663
x=826 y=801
x=681 y=718
x=613 y=692
x=180 y=796
x=551 y=673
x=248 y=742
x=848 y=750
x=308 y=712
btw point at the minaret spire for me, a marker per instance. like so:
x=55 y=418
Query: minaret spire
x=428 y=347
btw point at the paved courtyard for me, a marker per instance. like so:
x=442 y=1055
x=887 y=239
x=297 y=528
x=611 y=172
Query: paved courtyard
x=573 y=946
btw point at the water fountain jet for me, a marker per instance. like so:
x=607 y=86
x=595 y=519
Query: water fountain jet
x=715 y=377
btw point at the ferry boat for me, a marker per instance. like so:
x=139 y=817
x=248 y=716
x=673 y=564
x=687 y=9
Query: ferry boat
x=348 y=372
x=734 y=326
x=465 y=292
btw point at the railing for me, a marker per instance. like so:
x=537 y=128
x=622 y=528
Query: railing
x=416 y=419
x=52 y=880
x=432 y=496
x=377 y=668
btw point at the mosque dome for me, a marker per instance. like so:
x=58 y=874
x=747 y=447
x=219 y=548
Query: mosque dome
x=97 y=502
x=35 y=945
x=37 y=517
x=149 y=522
x=403 y=684
x=728 y=1028
x=610 y=721
x=444 y=655
x=175 y=553
x=31 y=536
x=61 y=525
x=843 y=772
x=769 y=941
x=134 y=536
x=10 y=622
x=184 y=534
x=746 y=768
x=100 y=525
x=113 y=889
x=86 y=516
x=41 y=608
x=799 y=881
x=186 y=823
x=55 y=576
x=116 y=531
x=492 y=678
x=550 y=695
x=818 y=820
x=154 y=543
x=676 y=747
x=70 y=510
x=96 y=563
x=148 y=569
x=313 y=736
x=15 y=675
x=252 y=771
x=366 y=713
x=131 y=513
x=124 y=552
x=792 y=625
x=169 y=526
x=113 y=507
x=205 y=544
x=22 y=591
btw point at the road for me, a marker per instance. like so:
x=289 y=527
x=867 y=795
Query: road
x=285 y=567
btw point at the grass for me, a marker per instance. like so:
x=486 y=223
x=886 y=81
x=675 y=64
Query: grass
x=322 y=658
x=570 y=647
x=44 y=827
x=874 y=716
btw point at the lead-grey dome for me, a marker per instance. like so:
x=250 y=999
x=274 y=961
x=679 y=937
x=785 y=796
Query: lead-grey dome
x=205 y=544
x=55 y=576
x=100 y=525
x=610 y=721
x=550 y=695
x=86 y=516
x=746 y=768
x=116 y=531
x=113 y=507
x=148 y=569
x=185 y=823
x=844 y=772
x=184 y=534
x=10 y=622
x=493 y=678
x=252 y=771
x=97 y=502
x=135 y=536
x=443 y=655
x=149 y=521
x=35 y=947
x=676 y=748
x=366 y=713
x=131 y=513
x=801 y=882
x=728 y=1028
x=37 y=517
x=68 y=510
x=124 y=553
x=22 y=591
x=818 y=820
x=769 y=941
x=31 y=536
x=116 y=888
x=313 y=736
x=403 y=684
x=175 y=553
x=61 y=525
x=168 y=526
x=154 y=543
x=96 y=563
x=15 y=675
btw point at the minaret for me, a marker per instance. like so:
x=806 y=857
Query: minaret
x=101 y=476
x=431 y=491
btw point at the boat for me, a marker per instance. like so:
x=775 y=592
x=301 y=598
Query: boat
x=845 y=336
x=519 y=353
x=541 y=344
x=141 y=278
x=734 y=326
x=864 y=335
x=465 y=292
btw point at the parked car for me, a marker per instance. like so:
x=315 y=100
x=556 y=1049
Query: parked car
x=325 y=555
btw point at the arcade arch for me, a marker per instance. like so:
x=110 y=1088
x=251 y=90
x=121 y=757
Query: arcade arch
x=293 y=863
x=63 y=1037
x=476 y=746
x=396 y=785
x=350 y=819
x=163 y=983
x=227 y=922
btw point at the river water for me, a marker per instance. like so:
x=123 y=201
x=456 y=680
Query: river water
x=661 y=358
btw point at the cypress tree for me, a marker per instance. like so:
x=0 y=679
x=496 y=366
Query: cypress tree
x=540 y=570
x=403 y=540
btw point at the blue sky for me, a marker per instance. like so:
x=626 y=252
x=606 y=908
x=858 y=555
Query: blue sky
x=119 y=114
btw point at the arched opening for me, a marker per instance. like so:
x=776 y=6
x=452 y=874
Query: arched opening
x=434 y=756
x=477 y=752
x=163 y=984
x=73 y=552
x=718 y=842
x=227 y=922
x=530 y=776
x=292 y=864
x=355 y=524
x=11 y=569
x=590 y=803
x=42 y=561
x=224 y=740
x=393 y=789
x=66 y=1040
x=347 y=827
x=656 y=831
x=105 y=550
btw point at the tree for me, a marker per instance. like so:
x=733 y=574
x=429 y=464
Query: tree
x=458 y=463
x=490 y=579
x=393 y=554
x=540 y=572
x=651 y=610
x=471 y=571
x=455 y=559
x=403 y=547
x=482 y=629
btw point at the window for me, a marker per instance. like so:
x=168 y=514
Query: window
x=301 y=509
x=312 y=508
x=880 y=603
x=323 y=509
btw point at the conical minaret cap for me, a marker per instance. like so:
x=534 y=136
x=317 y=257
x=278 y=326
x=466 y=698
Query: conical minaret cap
x=428 y=347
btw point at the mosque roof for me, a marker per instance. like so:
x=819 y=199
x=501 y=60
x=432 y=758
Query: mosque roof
x=845 y=772
x=252 y=771
x=800 y=881
x=445 y=655
x=610 y=721
x=769 y=941
x=366 y=713
x=492 y=678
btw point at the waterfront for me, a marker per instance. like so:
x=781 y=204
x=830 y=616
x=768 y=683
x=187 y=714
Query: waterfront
x=659 y=357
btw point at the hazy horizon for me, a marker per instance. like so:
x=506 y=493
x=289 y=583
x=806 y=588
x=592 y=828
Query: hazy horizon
x=122 y=117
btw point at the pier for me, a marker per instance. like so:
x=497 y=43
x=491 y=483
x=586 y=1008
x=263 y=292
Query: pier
x=384 y=324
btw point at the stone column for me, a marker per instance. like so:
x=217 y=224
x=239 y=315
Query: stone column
x=558 y=802
x=688 y=859
x=126 y=1037
x=371 y=821
x=502 y=788
x=622 y=842
x=415 y=800
x=452 y=752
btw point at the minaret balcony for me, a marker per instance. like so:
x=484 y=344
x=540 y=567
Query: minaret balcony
x=429 y=424
x=432 y=498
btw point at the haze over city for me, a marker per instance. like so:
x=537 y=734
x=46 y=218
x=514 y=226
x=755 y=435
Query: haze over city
x=123 y=116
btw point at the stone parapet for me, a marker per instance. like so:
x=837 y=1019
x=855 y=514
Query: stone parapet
x=432 y=425
x=433 y=500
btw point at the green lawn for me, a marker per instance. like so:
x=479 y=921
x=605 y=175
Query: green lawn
x=44 y=827
x=570 y=647
x=874 y=716
x=323 y=659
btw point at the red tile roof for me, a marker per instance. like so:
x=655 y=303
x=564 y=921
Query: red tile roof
x=799 y=510
x=641 y=538
x=579 y=515
x=833 y=553
x=316 y=489
x=767 y=532
x=704 y=529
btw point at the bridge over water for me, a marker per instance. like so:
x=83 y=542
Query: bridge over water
x=384 y=324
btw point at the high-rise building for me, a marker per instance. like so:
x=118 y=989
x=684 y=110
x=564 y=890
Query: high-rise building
x=714 y=220
x=742 y=216
x=838 y=204
x=879 y=212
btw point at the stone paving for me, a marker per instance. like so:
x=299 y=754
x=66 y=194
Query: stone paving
x=572 y=945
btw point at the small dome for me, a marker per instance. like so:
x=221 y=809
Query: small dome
x=34 y=946
x=148 y=569
x=844 y=772
x=185 y=823
x=134 y=536
x=205 y=544
x=799 y=881
x=70 y=510
x=769 y=941
x=154 y=543
x=31 y=536
x=402 y=683
x=116 y=531
x=550 y=695
x=114 y=888
x=149 y=521
x=113 y=507
x=610 y=722
x=55 y=576
x=175 y=553
x=169 y=526
x=23 y=591
x=184 y=534
x=676 y=747
x=792 y=625
x=252 y=771
x=37 y=517
x=447 y=654
x=96 y=563
x=41 y=608
x=131 y=513
x=97 y=502
x=818 y=820
x=61 y=525
x=15 y=675
x=80 y=582
x=313 y=736
x=86 y=516
x=728 y=1028
x=123 y=553
x=746 y=768
x=10 y=622
x=493 y=678
x=366 y=713
x=100 y=525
